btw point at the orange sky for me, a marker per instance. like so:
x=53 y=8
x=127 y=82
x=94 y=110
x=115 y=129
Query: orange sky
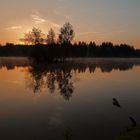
x=93 y=20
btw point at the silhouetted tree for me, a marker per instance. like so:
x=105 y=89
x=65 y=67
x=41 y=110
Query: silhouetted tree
x=27 y=40
x=92 y=49
x=51 y=37
x=50 y=51
x=34 y=37
x=66 y=34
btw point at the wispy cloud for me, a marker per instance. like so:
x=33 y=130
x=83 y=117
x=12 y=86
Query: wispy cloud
x=37 y=19
x=40 y=20
x=52 y=24
x=14 y=27
x=55 y=25
x=87 y=33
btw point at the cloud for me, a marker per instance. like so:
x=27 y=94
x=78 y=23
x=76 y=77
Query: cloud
x=37 y=19
x=54 y=24
x=87 y=33
x=14 y=28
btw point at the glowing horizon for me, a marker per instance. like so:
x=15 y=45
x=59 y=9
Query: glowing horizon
x=93 y=20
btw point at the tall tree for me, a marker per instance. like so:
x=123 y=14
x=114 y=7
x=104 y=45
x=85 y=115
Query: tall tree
x=51 y=37
x=66 y=34
x=33 y=37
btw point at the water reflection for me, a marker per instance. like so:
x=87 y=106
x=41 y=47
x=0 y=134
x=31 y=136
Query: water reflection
x=11 y=62
x=59 y=77
x=89 y=112
x=79 y=65
x=44 y=75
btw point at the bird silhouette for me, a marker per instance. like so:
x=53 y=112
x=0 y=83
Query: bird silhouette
x=116 y=103
x=134 y=123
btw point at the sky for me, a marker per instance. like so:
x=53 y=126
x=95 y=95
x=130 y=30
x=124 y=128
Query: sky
x=117 y=21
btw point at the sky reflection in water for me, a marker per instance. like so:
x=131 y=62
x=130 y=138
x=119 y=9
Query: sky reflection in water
x=67 y=101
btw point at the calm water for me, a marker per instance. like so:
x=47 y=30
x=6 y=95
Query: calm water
x=70 y=101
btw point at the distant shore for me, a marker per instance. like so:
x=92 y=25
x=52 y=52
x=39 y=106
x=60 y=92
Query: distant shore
x=62 y=52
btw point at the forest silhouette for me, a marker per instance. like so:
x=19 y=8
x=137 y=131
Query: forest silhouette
x=48 y=47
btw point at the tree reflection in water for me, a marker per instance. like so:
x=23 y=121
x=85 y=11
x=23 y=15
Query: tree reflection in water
x=59 y=76
x=54 y=78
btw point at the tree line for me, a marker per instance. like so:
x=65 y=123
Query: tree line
x=49 y=47
x=37 y=37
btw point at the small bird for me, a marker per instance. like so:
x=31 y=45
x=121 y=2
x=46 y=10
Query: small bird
x=134 y=123
x=116 y=103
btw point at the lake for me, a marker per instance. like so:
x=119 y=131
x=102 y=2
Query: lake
x=68 y=101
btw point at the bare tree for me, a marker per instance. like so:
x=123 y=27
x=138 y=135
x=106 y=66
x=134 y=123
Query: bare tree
x=51 y=37
x=27 y=38
x=33 y=37
x=66 y=34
